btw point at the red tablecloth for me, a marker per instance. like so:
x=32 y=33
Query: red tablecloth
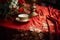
x=37 y=22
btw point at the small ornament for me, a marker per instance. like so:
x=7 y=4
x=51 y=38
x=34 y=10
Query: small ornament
x=34 y=14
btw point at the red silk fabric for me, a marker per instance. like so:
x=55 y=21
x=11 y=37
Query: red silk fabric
x=35 y=22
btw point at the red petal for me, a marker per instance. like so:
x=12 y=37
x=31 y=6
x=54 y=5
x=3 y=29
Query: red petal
x=20 y=10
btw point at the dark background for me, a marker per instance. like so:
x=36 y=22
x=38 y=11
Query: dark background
x=53 y=3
